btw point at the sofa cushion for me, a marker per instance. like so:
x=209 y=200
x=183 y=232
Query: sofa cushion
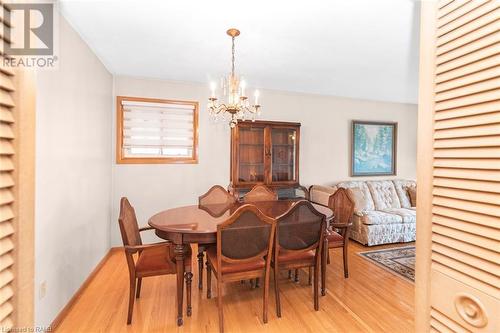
x=361 y=202
x=378 y=217
x=401 y=186
x=367 y=203
x=321 y=194
x=384 y=194
x=408 y=215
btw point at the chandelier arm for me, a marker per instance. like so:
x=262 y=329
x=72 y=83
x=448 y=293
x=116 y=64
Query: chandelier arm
x=221 y=108
x=216 y=109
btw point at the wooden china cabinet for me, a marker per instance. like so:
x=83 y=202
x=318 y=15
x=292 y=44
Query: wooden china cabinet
x=265 y=152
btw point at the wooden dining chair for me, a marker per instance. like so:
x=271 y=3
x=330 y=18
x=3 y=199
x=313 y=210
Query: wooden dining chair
x=243 y=251
x=343 y=209
x=298 y=244
x=152 y=259
x=260 y=193
x=216 y=195
x=219 y=199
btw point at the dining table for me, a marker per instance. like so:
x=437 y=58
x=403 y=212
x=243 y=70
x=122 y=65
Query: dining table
x=198 y=224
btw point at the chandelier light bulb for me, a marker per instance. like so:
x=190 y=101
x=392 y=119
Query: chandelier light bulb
x=243 y=85
x=213 y=86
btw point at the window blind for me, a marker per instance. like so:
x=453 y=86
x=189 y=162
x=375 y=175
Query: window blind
x=164 y=130
x=7 y=194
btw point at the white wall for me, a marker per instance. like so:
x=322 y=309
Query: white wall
x=73 y=173
x=324 y=150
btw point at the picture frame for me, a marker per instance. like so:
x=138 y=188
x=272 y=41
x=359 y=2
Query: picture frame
x=373 y=148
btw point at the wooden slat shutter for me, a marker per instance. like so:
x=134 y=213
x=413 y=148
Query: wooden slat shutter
x=463 y=186
x=7 y=193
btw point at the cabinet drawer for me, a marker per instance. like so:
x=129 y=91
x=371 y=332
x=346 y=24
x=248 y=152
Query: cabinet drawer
x=460 y=307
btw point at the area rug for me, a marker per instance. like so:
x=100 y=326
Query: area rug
x=397 y=260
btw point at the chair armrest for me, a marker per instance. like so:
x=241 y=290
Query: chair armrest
x=135 y=248
x=341 y=225
x=145 y=228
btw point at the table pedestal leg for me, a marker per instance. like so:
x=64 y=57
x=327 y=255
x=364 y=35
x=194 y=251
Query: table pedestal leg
x=179 y=261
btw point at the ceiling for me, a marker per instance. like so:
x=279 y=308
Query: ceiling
x=364 y=49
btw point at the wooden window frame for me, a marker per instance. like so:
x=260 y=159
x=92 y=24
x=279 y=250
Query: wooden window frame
x=121 y=159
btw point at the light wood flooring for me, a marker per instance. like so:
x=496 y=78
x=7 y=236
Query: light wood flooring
x=370 y=300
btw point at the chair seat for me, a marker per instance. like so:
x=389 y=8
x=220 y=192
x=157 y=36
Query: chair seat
x=234 y=267
x=289 y=257
x=334 y=239
x=158 y=260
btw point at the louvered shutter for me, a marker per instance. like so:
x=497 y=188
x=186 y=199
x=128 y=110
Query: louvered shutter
x=7 y=194
x=465 y=184
x=157 y=130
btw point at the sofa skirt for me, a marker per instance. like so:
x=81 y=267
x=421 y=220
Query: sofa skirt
x=377 y=234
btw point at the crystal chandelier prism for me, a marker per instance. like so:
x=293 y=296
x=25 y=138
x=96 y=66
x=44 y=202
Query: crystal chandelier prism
x=234 y=104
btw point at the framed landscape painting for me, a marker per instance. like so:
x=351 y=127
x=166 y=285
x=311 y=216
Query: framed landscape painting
x=373 y=148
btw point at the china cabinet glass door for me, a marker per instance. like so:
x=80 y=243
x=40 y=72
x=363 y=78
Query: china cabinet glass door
x=251 y=168
x=283 y=154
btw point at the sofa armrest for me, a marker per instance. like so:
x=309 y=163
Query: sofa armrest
x=321 y=194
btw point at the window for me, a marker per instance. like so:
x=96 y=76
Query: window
x=156 y=131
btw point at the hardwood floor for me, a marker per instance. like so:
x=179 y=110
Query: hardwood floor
x=370 y=300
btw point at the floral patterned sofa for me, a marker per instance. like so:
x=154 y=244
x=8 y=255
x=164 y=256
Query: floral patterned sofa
x=383 y=211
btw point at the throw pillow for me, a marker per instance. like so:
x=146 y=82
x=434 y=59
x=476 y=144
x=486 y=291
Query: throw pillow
x=412 y=193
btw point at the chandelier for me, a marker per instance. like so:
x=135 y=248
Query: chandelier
x=234 y=104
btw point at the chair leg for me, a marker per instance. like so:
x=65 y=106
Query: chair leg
x=346 y=266
x=277 y=291
x=289 y=274
x=219 y=305
x=200 y=267
x=324 y=259
x=296 y=275
x=252 y=285
x=316 y=287
x=139 y=284
x=131 y=299
x=209 y=281
x=257 y=283
x=266 y=297
x=310 y=276
x=188 y=276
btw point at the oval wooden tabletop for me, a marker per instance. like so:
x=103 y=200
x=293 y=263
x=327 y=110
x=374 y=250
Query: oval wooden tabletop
x=204 y=219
